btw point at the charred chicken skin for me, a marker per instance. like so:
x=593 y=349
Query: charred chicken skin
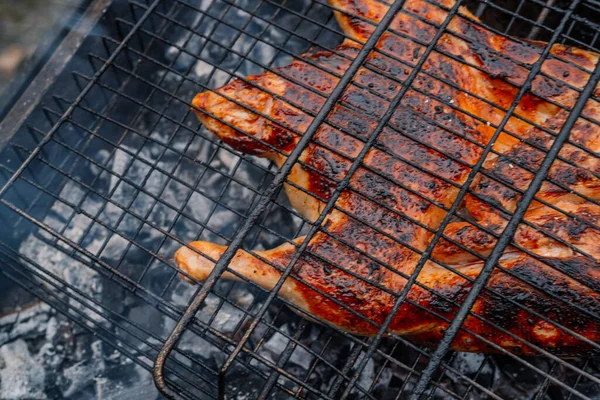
x=545 y=289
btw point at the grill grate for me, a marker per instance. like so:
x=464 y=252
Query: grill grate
x=113 y=173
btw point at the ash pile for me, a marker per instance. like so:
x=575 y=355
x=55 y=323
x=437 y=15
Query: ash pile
x=45 y=356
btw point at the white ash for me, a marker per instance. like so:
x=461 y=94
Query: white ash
x=367 y=376
x=468 y=363
x=228 y=318
x=44 y=356
x=21 y=375
x=302 y=357
x=30 y=322
x=275 y=346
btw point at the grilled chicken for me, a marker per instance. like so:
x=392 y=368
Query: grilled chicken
x=546 y=286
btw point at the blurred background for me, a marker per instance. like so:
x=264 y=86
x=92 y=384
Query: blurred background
x=29 y=30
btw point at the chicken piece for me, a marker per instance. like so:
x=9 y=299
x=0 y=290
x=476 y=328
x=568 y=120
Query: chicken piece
x=367 y=247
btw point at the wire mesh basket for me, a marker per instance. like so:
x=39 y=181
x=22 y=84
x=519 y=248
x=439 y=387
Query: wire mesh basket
x=113 y=173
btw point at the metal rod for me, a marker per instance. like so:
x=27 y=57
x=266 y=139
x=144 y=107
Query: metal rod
x=50 y=71
x=511 y=227
x=244 y=354
x=543 y=15
x=356 y=163
x=474 y=171
x=277 y=182
x=79 y=98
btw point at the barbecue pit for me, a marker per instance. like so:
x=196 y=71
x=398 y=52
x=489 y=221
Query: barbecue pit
x=105 y=172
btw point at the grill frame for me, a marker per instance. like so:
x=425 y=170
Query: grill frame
x=266 y=197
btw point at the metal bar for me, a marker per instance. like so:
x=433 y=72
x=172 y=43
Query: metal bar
x=541 y=392
x=543 y=15
x=388 y=115
x=509 y=231
x=79 y=98
x=352 y=357
x=303 y=85
x=534 y=71
x=278 y=180
x=485 y=361
x=283 y=359
x=196 y=326
x=578 y=380
x=49 y=72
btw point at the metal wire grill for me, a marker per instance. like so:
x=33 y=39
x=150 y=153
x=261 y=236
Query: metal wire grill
x=114 y=173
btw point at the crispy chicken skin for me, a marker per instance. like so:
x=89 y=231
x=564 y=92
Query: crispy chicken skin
x=369 y=244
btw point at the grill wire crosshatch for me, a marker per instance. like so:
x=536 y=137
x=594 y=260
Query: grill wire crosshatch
x=112 y=173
